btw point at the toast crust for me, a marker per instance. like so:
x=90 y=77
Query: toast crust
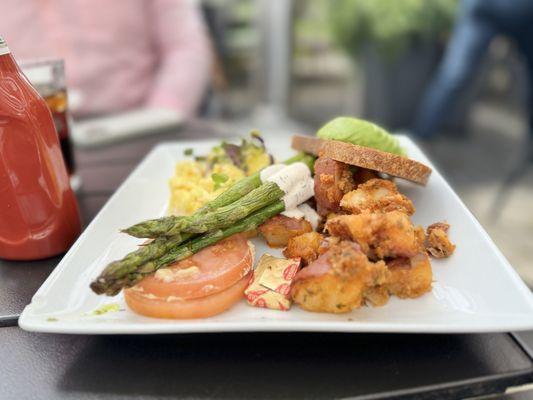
x=364 y=157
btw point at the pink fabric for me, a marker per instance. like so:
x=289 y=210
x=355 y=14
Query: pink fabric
x=119 y=54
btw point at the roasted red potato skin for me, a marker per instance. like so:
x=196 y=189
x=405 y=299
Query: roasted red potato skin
x=333 y=179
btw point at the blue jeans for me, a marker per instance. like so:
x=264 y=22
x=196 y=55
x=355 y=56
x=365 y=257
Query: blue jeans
x=478 y=22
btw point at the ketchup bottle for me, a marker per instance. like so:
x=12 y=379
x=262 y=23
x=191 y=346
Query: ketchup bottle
x=39 y=215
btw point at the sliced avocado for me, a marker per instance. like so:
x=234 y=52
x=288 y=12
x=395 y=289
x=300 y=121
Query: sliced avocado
x=362 y=133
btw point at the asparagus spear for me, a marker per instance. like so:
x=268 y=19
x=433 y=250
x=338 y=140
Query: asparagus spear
x=208 y=219
x=232 y=213
x=148 y=252
x=112 y=280
x=247 y=184
x=220 y=218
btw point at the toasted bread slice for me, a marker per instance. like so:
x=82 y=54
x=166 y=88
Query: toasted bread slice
x=364 y=157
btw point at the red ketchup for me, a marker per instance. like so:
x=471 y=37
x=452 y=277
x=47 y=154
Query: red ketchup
x=39 y=215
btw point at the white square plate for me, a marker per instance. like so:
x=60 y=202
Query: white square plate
x=475 y=290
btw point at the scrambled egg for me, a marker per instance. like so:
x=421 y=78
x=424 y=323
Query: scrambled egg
x=256 y=159
x=192 y=185
x=200 y=180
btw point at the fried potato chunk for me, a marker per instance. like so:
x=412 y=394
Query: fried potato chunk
x=420 y=236
x=338 y=281
x=376 y=195
x=309 y=246
x=409 y=277
x=332 y=180
x=279 y=229
x=380 y=235
x=306 y=247
x=437 y=242
x=377 y=296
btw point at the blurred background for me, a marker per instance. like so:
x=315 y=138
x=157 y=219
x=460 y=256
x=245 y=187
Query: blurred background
x=376 y=59
x=452 y=74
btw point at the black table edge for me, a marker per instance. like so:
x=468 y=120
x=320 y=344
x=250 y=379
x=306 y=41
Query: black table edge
x=489 y=385
x=522 y=344
x=496 y=384
x=9 y=320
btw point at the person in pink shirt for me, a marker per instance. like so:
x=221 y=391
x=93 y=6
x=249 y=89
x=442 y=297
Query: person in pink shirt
x=119 y=55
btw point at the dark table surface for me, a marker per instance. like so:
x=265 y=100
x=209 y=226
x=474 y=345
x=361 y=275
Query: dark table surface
x=259 y=365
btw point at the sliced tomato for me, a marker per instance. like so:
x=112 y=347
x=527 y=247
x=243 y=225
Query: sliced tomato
x=184 y=309
x=209 y=271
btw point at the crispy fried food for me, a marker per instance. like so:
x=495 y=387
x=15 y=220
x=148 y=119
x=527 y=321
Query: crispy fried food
x=376 y=195
x=409 y=277
x=420 y=236
x=328 y=242
x=306 y=247
x=279 y=229
x=437 y=242
x=339 y=280
x=309 y=246
x=380 y=235
x=332 y=180
x=377 y=296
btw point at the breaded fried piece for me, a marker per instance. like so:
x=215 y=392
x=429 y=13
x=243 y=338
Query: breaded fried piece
x=420 y=236
x=409 y=277
x=380 y=235
x=376 y=195
x=437 y=242
x=377 y=296
x=328 y=242
x=304 y=246
x=338 y=281
x=309 y=246
x=279 y=229
x=332 y=180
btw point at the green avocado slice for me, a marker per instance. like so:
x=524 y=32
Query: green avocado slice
x=362 y=133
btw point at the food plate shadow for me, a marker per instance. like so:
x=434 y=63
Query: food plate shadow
x=281 y=365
